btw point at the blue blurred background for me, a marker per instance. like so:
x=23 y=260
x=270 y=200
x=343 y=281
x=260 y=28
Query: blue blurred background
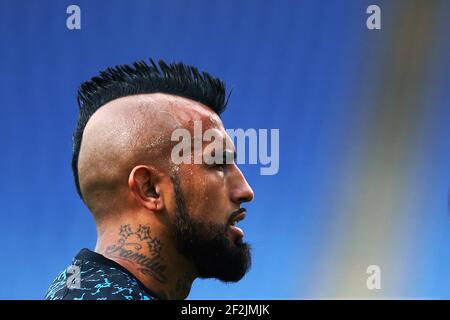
x=364 y=135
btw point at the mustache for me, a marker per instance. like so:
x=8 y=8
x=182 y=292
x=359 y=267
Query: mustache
x=235 y=214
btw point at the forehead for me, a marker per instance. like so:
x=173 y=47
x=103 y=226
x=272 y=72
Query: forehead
x=198 y=119
x=188 y=112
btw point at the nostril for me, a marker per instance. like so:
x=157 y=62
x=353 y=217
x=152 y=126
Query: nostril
x=251 y=195
x=246 y=195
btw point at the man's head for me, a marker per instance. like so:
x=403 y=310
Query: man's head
x=123 y=166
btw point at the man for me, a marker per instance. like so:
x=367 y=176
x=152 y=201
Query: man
x=160 y=223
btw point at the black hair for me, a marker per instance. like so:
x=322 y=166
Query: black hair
x=140 y=78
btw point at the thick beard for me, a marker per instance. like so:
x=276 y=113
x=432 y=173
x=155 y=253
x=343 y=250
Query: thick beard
x=207 y=246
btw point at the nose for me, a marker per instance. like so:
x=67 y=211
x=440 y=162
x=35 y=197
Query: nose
x=240 y=189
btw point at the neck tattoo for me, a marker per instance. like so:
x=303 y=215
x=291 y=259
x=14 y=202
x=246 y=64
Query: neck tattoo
x=140 y=248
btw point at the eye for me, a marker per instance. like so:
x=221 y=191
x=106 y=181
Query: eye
x=220 y=166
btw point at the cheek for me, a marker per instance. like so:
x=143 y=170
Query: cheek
x=206 y=196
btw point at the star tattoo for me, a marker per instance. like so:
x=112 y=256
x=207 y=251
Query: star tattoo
x=154 y=245
x=125 y=231
x=143 y=232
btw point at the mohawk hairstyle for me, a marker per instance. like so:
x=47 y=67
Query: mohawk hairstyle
x=140 y=78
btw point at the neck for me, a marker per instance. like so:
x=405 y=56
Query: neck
x=150 y=255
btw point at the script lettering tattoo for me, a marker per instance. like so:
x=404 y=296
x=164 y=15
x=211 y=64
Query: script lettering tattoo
x=131 y=251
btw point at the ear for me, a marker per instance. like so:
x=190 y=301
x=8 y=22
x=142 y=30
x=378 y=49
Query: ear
x=145 y=183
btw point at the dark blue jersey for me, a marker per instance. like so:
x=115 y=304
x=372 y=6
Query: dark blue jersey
x=95 y=277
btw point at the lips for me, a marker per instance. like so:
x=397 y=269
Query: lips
x=235 y=217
